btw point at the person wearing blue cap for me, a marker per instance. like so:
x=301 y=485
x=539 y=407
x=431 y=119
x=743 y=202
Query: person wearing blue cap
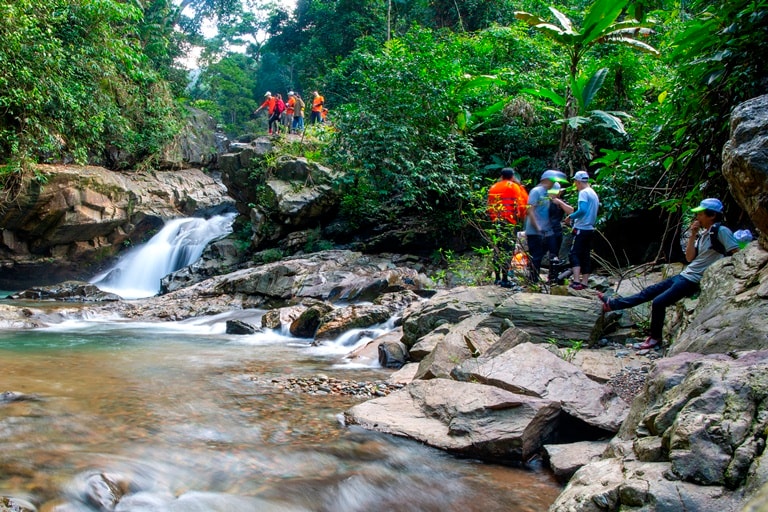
x=537 y=226
x=709 y=241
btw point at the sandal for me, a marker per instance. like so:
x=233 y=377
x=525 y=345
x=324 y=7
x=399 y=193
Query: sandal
x=647 y=344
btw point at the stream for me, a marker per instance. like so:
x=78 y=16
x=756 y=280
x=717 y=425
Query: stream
x=187 y=419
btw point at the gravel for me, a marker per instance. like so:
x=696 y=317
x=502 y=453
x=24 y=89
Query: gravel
x=629 y=382
x=324 y=385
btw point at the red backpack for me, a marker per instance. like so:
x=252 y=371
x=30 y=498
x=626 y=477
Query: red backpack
x=280 y=106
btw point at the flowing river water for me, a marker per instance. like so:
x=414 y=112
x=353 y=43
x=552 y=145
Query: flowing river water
x=186 y=418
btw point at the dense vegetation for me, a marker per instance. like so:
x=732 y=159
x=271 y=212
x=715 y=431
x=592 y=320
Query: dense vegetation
x=428 y=98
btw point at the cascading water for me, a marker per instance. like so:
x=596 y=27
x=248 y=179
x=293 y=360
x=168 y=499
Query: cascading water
x=180 y=243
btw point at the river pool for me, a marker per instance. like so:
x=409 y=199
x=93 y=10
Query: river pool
x=186 y=418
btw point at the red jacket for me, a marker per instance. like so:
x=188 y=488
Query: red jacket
x=507 y=200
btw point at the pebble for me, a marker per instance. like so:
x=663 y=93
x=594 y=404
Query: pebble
x=629 y=382
x=324 y=385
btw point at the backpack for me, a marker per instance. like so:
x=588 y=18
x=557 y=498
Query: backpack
x=714 y=241
x=280 y=107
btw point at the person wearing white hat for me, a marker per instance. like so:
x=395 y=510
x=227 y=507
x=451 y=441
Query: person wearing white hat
x=270 y=102
x=583 y=219
x=708 y=242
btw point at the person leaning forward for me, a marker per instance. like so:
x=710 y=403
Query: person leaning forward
x=709 y=242
x=537 y=227
x=507 y=201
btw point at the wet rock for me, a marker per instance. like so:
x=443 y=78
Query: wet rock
x=10 y=504
x=566 y=459
x=338 y=321
x=104 y=491
x=240 y=327
x=462 y=417
x=305 y=326
x=277 y=318
x=369 y=353
x=392 y=354
x=7 y=397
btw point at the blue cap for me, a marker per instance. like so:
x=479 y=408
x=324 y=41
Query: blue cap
x=556 y=176
x=709 y=203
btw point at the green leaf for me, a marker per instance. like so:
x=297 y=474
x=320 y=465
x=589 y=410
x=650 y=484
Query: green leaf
x=549 y=94
x=601 y=15
x=609 y=120
x=492 y=109
x=593 y=85
x=564 y=21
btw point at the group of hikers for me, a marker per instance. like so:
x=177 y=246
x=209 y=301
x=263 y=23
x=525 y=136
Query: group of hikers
x=290 y=114
x=541 y=214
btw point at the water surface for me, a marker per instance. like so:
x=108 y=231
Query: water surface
x=187 y=418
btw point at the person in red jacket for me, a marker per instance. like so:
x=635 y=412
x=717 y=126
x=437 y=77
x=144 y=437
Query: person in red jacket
x=507 y=203
x=317 y=108
x=270 y=103
x=290 y=109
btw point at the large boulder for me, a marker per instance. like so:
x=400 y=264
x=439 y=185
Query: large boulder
x=482 y=421
x=72 y=291
x=745 y=161
x=198 y=144
x=449 y=307
x=693 y=440
x=550 y=317
x=329 y=275
x=281 y=198
x=530 y=369
x=732 y=307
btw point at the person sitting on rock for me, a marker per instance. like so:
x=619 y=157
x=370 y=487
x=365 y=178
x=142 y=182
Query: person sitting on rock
x=709 y=241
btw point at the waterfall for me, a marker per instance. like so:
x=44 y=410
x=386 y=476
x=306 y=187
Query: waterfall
x=180 y=243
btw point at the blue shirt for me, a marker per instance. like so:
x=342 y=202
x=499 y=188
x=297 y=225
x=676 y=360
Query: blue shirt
x=538 y=207
x=585 y=216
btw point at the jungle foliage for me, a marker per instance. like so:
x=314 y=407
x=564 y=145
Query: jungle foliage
x=427 y=98
x=81 y=80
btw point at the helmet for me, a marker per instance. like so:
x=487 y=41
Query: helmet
x=555 y=176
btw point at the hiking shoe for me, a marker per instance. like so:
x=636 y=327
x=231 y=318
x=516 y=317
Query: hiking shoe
x=577 y=286
x=505 y=284
x=606 y=302
x=647 y=344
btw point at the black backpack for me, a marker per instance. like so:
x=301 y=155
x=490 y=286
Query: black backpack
x=714 y=241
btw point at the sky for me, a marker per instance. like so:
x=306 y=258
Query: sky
x=209 y=30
